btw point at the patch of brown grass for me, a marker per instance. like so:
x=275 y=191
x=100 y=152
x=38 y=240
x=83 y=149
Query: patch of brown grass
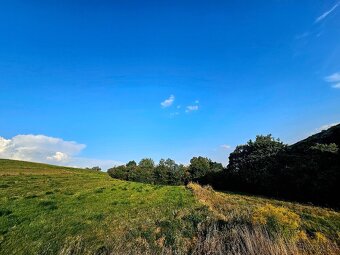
x=252 y=240
x=250 y=225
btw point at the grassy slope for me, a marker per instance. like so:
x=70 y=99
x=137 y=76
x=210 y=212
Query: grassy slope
x=45 y=209
x=43 y=206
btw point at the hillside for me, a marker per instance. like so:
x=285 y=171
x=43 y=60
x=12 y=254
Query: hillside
x=47 y=209
x=331 y=135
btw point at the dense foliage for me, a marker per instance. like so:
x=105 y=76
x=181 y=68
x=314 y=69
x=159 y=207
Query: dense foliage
x=252 y=163
x=166 y=172
x=307 y=171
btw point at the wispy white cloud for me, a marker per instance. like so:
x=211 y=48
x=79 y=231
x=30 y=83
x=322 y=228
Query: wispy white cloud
x=168 y=102
x=226 y=146
x=334 y=79
x=326 y=13
x=191 y=108
x=45 y=149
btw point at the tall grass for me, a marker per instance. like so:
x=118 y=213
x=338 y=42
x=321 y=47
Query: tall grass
x=253 y=240
x=245 y=228
x=214 y=240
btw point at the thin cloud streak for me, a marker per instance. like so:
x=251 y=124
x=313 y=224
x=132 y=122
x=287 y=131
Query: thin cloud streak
x=325 y=14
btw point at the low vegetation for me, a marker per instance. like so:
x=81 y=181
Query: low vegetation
x=254 y=225
x=56 y=210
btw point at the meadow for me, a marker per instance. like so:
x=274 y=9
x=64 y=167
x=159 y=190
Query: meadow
x=47 y=209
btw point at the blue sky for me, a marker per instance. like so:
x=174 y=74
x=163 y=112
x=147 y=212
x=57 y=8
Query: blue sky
x=96 y=73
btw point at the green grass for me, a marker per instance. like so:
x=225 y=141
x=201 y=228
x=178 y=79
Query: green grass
x=47 y=209
x=42 y=207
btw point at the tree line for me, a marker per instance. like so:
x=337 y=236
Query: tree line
x=166 y=172
x=305 y=172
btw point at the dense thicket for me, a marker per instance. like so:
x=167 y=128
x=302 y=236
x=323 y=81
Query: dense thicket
x=308 y=171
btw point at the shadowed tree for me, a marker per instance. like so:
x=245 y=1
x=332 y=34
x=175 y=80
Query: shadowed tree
x=252 y=163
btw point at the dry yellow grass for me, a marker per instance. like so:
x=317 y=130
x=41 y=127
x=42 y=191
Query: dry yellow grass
x=253 y=225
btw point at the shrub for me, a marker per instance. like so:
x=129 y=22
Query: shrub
x=332 y=147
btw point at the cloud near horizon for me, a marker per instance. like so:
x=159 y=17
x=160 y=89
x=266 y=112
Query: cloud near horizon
x=325 y=127
x=226 y=146
x=51 y=150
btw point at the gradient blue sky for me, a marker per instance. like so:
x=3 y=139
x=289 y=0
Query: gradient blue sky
x=96 y=72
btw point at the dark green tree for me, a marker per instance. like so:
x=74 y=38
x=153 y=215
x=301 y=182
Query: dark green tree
x=199 y=167
x=118 y=172
x=146 y=163
x=253 y=162
x=145 y=170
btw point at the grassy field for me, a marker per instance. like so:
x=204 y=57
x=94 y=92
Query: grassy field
x=57 y=210
x=45 y=208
